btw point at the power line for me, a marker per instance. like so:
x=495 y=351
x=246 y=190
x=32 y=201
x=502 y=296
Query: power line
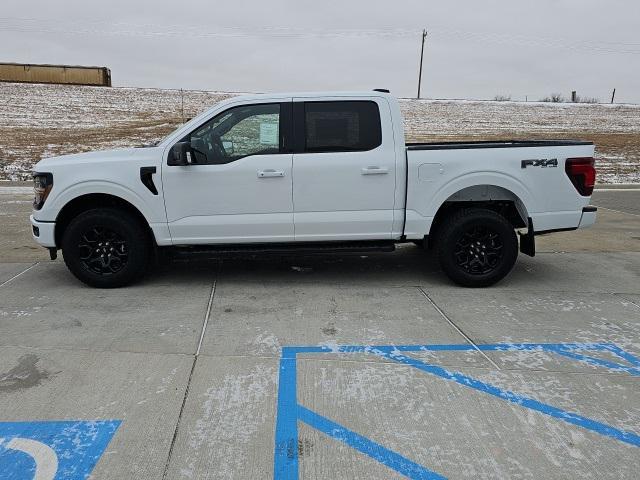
x=153 y=30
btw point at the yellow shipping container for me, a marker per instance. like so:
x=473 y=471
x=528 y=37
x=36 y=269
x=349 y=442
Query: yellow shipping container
x=65 y=74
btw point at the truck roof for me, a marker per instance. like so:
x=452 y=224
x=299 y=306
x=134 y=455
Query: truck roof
x=355 y=93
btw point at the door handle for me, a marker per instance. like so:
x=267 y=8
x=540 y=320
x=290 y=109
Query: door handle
x=269 y=172
x=373 y=170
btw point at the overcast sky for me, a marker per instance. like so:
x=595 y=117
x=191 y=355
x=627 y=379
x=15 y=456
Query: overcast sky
x=475 y=48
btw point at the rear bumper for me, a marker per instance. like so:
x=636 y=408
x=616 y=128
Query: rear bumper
x=527 y=240
x=586 y=219
x=588 y=216
x=43 y=232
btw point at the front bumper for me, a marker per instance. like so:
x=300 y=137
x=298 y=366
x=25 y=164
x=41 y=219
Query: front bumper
x=43 y=232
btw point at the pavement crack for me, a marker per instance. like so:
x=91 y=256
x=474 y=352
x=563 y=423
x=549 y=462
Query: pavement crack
x=175 y=431
x=627 y=299
x=456 y=327
x=205 y=322
x=206 y=316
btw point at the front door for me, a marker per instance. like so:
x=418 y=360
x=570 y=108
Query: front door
x=344 y=170
x=239 y=187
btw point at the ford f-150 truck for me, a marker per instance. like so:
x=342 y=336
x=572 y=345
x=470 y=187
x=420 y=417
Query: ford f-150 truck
x=309 y=173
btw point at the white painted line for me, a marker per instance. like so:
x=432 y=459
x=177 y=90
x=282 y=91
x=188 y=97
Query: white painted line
x=18 y=274
x=619 y=185
x=16 y=190
x=43 y=455
x=617 y=211
x=616 y=190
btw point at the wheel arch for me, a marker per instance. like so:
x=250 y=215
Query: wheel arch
x=89 y=201
x=493 y=197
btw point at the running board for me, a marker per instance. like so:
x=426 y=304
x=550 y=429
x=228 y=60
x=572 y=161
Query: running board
x=306 y=248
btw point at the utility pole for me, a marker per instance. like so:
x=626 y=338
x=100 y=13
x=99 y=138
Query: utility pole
x=424 y=35
x=182 y=104
x=613 y=95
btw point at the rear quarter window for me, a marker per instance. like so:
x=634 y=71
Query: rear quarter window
x=342 y=126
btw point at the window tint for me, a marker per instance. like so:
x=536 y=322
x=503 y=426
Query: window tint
x=342 y=126
x=236 y=133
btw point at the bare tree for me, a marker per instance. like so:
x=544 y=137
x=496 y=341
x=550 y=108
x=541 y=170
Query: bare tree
x=554 y=98
x=502 y=98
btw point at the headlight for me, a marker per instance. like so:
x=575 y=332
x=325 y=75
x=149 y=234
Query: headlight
x=42 y=184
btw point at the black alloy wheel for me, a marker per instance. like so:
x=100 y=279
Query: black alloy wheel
x=103 y=251
x=478 y=251
x=476 y=247
x=107 y=247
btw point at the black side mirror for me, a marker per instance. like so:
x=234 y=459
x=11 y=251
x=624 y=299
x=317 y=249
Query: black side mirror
x=181 y=154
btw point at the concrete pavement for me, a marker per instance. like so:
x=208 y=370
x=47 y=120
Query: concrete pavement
x=537 y=377
x=624 y=199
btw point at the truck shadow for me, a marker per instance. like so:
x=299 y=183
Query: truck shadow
x=407 y=266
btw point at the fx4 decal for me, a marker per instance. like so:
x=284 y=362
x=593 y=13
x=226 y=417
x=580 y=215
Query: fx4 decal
x=551 y=162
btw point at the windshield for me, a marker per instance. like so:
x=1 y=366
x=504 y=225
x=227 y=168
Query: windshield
x=190 y=121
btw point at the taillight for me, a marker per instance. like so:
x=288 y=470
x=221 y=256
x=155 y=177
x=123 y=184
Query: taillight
x=582 y=173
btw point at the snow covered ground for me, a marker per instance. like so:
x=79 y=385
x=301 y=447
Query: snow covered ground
x=45 y=120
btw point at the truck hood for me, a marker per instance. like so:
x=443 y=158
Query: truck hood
x=101 y=156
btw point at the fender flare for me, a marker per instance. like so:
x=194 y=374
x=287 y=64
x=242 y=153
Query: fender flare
x=497 y=179
x=92 y=187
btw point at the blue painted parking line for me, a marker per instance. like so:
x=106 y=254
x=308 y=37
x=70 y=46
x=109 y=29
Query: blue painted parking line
x=290 y=412
x=370 y=448
x=53 y=450
x=286 y=447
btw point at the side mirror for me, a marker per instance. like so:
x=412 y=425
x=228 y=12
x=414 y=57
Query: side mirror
x=181 y=154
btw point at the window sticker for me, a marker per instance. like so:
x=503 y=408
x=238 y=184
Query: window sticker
x=269 y=134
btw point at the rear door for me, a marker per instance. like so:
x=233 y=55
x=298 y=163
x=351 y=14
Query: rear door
x=344 y=169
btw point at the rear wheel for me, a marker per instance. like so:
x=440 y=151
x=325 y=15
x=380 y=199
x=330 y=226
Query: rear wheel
x=477 y=247
x=106 y=248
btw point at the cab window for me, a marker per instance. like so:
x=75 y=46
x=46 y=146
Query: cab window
x=236 y=133
x=342 y=126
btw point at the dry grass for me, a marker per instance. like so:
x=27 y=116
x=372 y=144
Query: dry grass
x=46 y=120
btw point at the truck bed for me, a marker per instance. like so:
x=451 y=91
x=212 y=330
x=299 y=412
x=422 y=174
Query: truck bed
x=495 y=144
x=495 y=171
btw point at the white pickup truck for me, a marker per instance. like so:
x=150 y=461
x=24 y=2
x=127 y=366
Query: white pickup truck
x=309 y=173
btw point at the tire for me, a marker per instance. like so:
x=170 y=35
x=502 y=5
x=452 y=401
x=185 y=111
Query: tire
x=106 y=248
x=476 y=247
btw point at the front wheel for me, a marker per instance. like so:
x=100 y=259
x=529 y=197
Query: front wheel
x=106 y=248
x=477 y=247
